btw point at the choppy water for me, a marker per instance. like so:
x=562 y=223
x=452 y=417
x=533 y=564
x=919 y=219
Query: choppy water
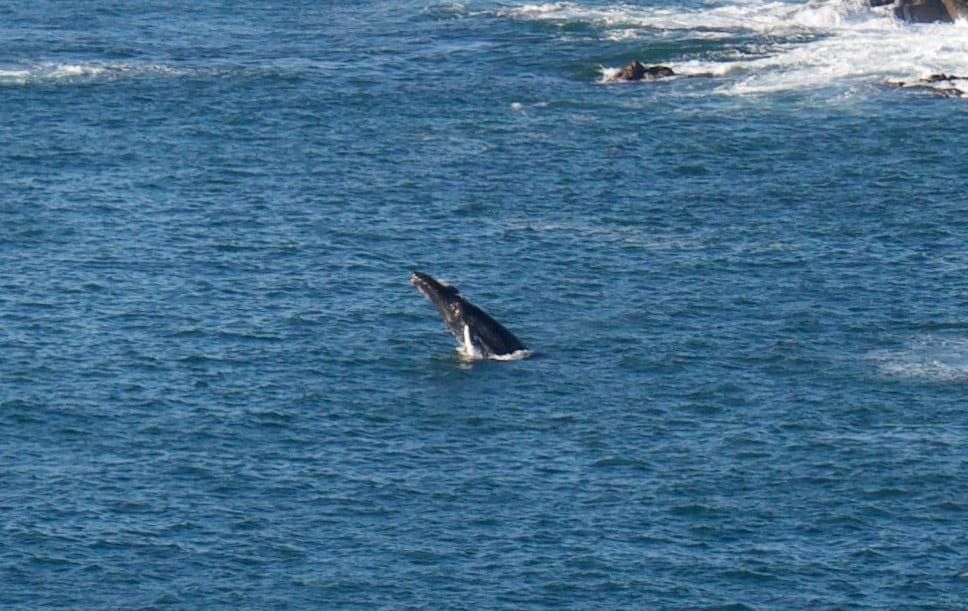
x=746 y=294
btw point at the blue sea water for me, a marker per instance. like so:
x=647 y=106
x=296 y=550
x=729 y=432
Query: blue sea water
x=746 y=293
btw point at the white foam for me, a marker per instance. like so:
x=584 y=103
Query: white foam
x=473 y=354
x=871 y=53
x=517 y=355
x=17 y=77
x=941 y=359
x=66 y=71
x=711 y=21
x=468 y=355
x=794 y=46
x=53 y=72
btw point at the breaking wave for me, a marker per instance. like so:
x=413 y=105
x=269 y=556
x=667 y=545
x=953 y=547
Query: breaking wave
x=517 y=355
x=938 y=359
x=758 y=47
x=474 y=355
x=708 y=22
x=68 y=73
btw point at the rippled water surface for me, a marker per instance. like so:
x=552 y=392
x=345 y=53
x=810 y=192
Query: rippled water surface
x=745 y=288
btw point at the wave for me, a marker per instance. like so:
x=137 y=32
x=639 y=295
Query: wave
x=473 y=355
x=53 y=72
x=707 y=22
x=932 y=358
x=760 y=47
x=517 y=355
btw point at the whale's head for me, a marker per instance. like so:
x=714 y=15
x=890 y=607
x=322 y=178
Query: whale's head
x=446 y=297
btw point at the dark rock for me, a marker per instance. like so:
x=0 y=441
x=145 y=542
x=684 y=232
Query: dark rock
x=658 y=72
x=922 y=11
x=931 y=83
x=635 y=71
x=926 y=11
x=957 y=9
x=936 y=78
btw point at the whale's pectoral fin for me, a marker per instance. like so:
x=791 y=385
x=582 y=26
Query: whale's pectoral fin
x=472 y=344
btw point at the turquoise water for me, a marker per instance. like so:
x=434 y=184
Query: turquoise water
x=746 y=294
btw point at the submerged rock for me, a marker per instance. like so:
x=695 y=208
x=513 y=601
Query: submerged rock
x=938 y=84
x=635 y=71
x=937 y=78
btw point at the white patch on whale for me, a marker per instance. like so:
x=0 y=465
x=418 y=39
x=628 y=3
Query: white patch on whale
x=469 y=348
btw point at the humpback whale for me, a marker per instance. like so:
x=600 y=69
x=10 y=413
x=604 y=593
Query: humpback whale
x=480 y=335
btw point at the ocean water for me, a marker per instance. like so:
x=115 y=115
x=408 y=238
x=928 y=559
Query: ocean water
x=746 y=294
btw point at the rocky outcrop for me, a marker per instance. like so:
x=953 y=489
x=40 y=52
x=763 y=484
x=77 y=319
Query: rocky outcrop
x=958 y=9
x=943 y=85
x=635 y=71
x=926 y=11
